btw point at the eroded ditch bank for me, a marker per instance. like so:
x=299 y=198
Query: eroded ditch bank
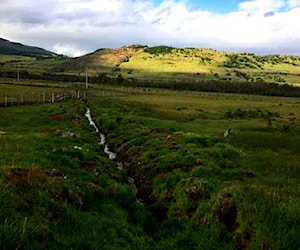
x=110 y=154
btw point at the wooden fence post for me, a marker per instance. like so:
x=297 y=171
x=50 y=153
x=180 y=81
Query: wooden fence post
x=44 y=98
x=52 y=97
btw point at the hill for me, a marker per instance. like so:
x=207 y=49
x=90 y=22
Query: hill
x=11 y=48
x=189 y=64
x=101 y=61
x=160 y=66
x=31 y=61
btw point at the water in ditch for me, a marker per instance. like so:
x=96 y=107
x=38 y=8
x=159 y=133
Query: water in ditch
x=110 y=154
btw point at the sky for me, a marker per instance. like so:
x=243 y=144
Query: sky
x=77 y=27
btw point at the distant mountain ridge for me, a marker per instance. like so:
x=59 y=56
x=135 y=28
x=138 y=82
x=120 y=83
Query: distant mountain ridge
x=159 y=63
x=12 y=48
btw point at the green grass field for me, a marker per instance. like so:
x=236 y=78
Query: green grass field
x=200 y=190
x=244 y=186
x=58 y=188
x=196 y=188
x=29 y=64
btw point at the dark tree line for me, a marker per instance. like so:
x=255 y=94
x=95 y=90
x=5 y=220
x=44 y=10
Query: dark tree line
x=221 y=86
x=159 y=50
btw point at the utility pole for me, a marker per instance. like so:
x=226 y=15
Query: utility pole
x=86 y=78
x=18 y=73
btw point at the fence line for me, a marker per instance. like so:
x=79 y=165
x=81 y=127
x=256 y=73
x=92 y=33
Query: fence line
x=10 y=100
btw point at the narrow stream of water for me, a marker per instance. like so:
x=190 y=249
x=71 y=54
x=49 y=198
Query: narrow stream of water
x=111 y=155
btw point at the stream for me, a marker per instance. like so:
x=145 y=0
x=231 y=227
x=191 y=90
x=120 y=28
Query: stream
x=111 y=155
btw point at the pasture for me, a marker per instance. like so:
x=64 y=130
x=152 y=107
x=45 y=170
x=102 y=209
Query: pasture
x=247 y=183
x=196 y=189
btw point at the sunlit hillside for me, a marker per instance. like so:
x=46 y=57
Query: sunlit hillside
x=159 y=63
x=195 y=64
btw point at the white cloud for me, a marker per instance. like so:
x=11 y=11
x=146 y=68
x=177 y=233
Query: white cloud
x=262 y=5
x=293 y=3
x=67 y=49
x=74 y=27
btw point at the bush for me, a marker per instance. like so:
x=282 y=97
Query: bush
x=159 y=50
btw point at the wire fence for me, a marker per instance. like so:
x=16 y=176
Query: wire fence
x=15 y=99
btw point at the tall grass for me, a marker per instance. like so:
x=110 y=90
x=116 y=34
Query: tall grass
x=186 y=170
x=199 y=190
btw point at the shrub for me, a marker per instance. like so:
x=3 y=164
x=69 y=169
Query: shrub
x=159 y=50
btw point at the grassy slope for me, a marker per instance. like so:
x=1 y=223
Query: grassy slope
x=189 y=64
x=12 y=48
x=199 y=64
x=30 y=64
x=182 y=61
x=101 y=61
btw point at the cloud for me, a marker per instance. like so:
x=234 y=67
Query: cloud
x=75 y=27
x=262 y=5
x=294 y=3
